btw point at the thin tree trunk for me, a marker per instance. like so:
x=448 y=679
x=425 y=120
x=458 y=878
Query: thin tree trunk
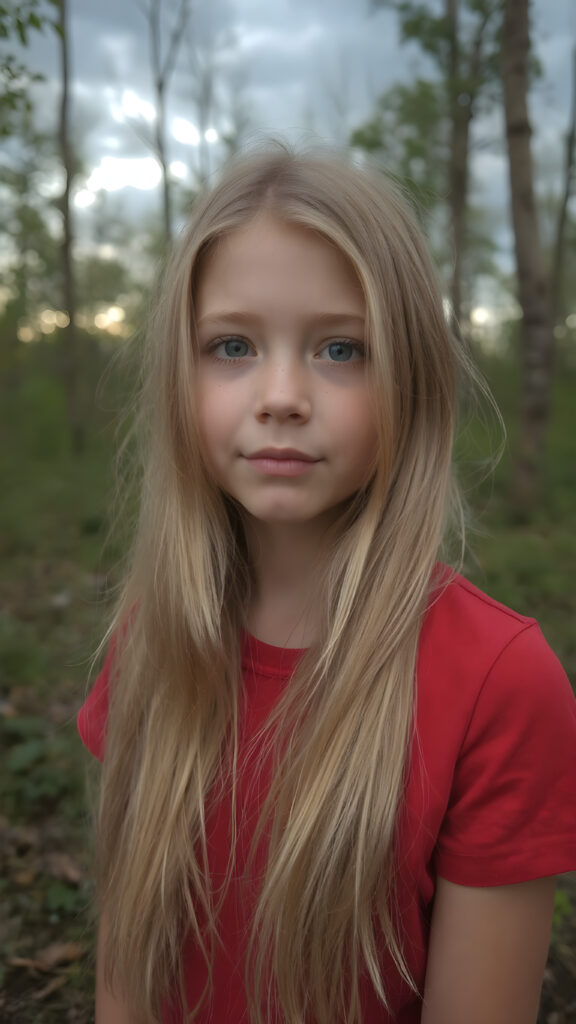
x=162 y=70
x=459 y=180
x=560 y=240
x=70 y=365
x=464 y=83
x=204 y=108
x=458 y=173
x=160 y=139
x=160 y=122
x=533 y=292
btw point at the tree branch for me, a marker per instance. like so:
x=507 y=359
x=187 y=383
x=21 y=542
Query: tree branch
x=175 y=40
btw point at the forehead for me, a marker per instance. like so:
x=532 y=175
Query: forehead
x=269 y=259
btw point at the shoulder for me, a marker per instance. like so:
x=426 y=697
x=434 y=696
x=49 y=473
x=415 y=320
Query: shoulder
x=470 y=642
x=496 y=728
x=463 y=612
x=493 y=663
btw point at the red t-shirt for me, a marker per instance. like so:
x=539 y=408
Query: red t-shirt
x=491 y=788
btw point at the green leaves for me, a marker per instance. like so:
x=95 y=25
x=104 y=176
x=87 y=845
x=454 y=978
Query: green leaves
x=408 y=133
x=20 y=19
x=17 y=22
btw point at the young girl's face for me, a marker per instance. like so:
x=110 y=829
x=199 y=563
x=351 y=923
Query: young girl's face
x=285 y=413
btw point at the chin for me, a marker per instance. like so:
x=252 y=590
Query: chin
x=286 y=515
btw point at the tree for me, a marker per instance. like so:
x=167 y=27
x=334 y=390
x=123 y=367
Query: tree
x=215 y=91
x=31 y=269
x=407 y=132
x=31 y=265
x=17 y=22
x=238 y=113
x=202 y=72
x=461 y=37
x=70 y=362
x=163 y=62
x=558 y=259
x=533 y=280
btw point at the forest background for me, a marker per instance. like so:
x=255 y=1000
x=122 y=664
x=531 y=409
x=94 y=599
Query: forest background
x=82 y=234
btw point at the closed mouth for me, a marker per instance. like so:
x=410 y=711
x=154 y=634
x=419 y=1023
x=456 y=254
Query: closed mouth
x=282 y=455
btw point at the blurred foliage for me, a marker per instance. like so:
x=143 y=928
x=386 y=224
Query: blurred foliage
x=479 y=23
x=407 y=132
x=32 y=269
x=528 y=561
x=408 y=135
x=17 y=23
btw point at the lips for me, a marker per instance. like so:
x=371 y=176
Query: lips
x=278 y=463
x=282 y=455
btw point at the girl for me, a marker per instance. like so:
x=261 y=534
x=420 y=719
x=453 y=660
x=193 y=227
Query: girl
x=337 y=779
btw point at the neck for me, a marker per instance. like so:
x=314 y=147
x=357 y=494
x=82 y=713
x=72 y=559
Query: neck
x=288 y=563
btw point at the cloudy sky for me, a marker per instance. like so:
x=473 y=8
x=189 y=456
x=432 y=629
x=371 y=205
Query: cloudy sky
x=300 y=69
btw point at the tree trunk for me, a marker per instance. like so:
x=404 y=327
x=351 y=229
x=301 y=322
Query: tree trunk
x=163 y=65
x=160 y=139
x=533 y=292
x=459 y=178
x=70 y=363
x=458 y=173
x=159 y=78
x=560 y=240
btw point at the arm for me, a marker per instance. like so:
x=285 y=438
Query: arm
x=109 y=1010
x=487 y=953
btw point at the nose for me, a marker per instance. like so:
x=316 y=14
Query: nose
x=283 y=392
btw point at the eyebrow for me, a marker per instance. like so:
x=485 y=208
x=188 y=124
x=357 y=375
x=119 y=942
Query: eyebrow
x=318 y=318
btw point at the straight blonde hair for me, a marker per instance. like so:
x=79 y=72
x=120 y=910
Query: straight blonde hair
x=341 y=732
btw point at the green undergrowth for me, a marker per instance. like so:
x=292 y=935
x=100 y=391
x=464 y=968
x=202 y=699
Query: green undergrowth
x=528 y=561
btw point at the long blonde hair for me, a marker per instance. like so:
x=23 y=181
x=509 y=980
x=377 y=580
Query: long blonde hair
x=343 y=726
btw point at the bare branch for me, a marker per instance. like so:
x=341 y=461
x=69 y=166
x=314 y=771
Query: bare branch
x=175 y=40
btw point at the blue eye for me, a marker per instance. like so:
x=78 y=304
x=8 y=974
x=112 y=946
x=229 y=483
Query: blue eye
x=232 y=348
x=343 y=351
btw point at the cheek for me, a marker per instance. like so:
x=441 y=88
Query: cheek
x=357 y=429
x=217 y=419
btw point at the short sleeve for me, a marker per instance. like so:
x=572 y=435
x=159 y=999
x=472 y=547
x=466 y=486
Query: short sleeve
x=512 y=810
x=93 y=715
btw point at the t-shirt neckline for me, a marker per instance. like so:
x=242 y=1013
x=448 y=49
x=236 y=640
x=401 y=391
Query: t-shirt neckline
x=266 y=659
